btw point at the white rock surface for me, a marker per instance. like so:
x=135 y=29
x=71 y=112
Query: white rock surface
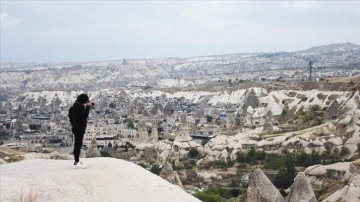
x=350 y=192
x=2 y=161
x=105 y=179
x=320 y=170
x=53 y=155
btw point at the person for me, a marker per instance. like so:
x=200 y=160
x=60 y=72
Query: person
x=78 y=114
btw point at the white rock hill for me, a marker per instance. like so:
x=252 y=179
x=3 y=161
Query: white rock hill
x=105 y=179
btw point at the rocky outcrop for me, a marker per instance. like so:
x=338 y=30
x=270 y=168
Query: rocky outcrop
x=157 y=109
x=138 y=107
x=339 y=171
x=335 y=174
x=53 y=155
x=333 y=111
x=105 y=179
x=301 y=190
x=8 y=155
x=350 y=192
x=169 y=175
x=93 y=151
x=2 y=161
x=251 y=99
x=21 y=147
x=261 y=189
x=169 y=109
x=342 y=179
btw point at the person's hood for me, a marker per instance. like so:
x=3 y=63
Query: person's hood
x=82 y=99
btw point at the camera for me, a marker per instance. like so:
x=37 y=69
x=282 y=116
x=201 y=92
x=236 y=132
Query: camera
x=92 y=104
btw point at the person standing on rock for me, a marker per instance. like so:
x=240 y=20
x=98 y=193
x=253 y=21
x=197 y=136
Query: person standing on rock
x=78 y=114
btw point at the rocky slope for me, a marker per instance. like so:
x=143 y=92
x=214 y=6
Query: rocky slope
x=341 y=181
x=105 y=179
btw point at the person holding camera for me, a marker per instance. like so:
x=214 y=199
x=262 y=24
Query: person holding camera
x=78 y=114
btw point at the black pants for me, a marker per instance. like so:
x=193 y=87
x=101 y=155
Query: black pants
x=78 y=136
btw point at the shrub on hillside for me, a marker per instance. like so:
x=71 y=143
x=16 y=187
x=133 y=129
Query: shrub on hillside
x=105 y=153
x=252 y=156
x=193 y=153
x=216 y=194
x=156 y=169
x=304 y=159
x=189 y=164
x=344 y=151
x=241 y=157
x=274 y=161
x=208 y=197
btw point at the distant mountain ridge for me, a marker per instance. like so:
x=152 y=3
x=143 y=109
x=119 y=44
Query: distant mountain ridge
x=170 y=72
x=334 y=46
x=329 y=48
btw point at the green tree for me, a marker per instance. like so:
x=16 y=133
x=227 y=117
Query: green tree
x=156 y=169
x=235 y=192
x=302 y=159
x=193 y=153
x=306 y=160
x=241 y=157
x=290 y=168
x=260 y=155
x=208 y=196
x=315 y=158
x=130 y=124
x=251 y=155
x=216 y=194
x=344 y=151
x=4 y=135
x=274 y=161
x=336 y=153
x=285 y=176
x=281 y=178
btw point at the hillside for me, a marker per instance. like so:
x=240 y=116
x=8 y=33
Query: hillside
x=105 y=179
x=328 y=61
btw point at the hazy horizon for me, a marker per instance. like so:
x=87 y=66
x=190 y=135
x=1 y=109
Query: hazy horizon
x=80 y=31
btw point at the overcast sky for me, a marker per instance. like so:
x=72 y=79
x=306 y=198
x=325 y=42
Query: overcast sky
x=65 y=31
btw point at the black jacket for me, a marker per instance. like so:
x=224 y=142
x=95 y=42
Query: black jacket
x=78 y=117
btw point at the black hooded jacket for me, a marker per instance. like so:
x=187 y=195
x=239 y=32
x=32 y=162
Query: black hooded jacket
x=78 y=114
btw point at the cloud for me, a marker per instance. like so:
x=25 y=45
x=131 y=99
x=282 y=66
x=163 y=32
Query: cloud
x=138 y=29
x=301 y=5
x=7 y=21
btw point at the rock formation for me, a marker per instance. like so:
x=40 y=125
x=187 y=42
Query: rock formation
x=301 y=190
x=93 y=151
x=344 y=178
x=350 y=192
x=261 y=189
x=341 y=171
x=105 y=179
x=53 y=155
x=169 y=175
